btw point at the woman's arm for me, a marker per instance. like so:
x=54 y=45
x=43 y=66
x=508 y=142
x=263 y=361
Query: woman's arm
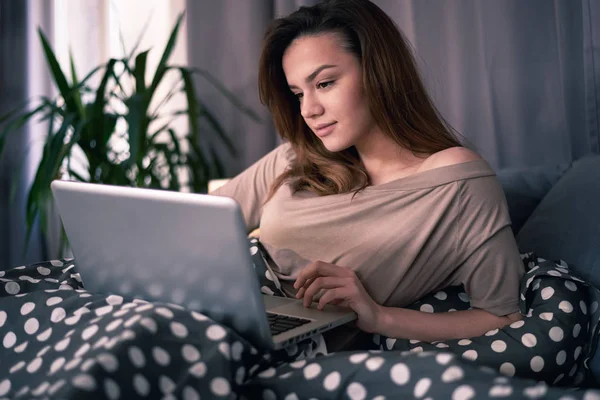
x=429 y=327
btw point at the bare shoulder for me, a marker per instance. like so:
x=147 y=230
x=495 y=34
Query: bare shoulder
x=450 y=156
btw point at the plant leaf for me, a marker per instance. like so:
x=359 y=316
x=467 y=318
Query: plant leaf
x=140 y=71
x=162 y=65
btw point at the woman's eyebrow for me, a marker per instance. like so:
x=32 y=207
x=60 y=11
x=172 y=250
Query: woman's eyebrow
x=312 y=76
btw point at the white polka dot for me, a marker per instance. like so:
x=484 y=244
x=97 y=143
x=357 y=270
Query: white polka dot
x=442 y=345
x=428 y=308
x=571 y=286
x=100 y=311
x=253 y=250
x=373 y=364
x=240 y=375
x=311 y=371
x=141 y=385
x=529 y=340
x=492 y=332
x=464 y=342
x=537 y=363
x=537 y=391
x=72 y=320
x=199 y=317
x=190 y=353
x=166 y=384
x=236 y=351
x=358 y=358
x=577 y=352
x=161 y=356
x=113 y=392
x=500 y=391
x=576 y=330
x=60 y=346
x=452 y=374
x=400 y=374
x=498 y=346
x=12 y=287
x=58 y=314
x=113 y=325
x=149 y=324
x=517 y=324
x=332 y=381
x=42 y=337
x=416 y=350
x=463 y=297
x=565 y=306
x=82 y=350
x=225 y=350
x=57 y=365
x=137 y=357
x=422 y=387
x=441 y=295
x=507 y=369
x=114 y=300
x=108 y=361
x=52 y=301
x=356 y=391
x=268 y=373
x=583 y=307
x=89 y=332
x=470 y=355
x=220 y=387
x=215 y=332
x=198 y=370
x=5 y=387
x=43 y=271
x=9 y=340
x=27 y=308
x=164 y=312
x=179 y=330
x=84 y=382
x=34 y=365
x=463 y=392
x=3 y=316
x=390 y=342
x=190 y=394
x=21 y=348
x=31 y=326
x=444 y=358
x=594 y=307
x=17 y=367
x=561 y=357
x=298 y=364
x=546 y=316
x=556 y=334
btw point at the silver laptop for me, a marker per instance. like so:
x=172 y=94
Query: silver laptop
x=182 y=248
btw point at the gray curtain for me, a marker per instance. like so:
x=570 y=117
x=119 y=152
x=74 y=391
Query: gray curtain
x=520 y=81
x=21 y=73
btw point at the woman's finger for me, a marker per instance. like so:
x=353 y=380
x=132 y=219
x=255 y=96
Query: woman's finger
x=319 y=268
x=322 y=282
x=337 y=294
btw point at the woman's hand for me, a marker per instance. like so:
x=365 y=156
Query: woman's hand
x=342 y=287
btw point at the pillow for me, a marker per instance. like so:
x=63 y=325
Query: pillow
x=566 y=224
x=526 y=187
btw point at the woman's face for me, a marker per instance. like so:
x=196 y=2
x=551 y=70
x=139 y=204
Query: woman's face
x=327 y=80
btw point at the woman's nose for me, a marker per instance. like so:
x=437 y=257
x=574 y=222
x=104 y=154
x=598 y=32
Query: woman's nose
x=310 y=107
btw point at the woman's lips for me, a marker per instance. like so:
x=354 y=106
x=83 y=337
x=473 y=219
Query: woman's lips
x=326 y=130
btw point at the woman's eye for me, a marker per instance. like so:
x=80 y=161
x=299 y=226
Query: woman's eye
x=298 y=95
x=324 y=85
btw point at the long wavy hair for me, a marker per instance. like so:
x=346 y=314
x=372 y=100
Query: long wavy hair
x=395 y=92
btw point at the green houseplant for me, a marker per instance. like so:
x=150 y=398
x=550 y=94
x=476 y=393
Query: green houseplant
x=156 y=155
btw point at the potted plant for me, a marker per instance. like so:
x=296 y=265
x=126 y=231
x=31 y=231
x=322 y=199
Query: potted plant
x=83 y=120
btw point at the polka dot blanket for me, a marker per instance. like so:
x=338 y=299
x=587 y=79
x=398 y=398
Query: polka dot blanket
x=61 y=342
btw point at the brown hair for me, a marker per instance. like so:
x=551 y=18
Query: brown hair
x=396 y=95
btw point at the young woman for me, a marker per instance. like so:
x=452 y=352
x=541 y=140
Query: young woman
x=372 y=202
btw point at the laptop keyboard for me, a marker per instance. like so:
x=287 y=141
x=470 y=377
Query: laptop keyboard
x=281 y=323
